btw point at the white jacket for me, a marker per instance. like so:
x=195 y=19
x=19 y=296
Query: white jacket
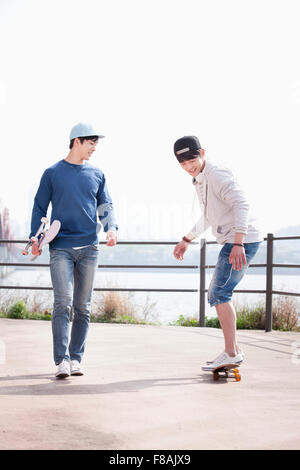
x=224 y=207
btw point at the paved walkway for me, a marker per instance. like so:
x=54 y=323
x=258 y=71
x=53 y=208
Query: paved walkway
x=143 y=388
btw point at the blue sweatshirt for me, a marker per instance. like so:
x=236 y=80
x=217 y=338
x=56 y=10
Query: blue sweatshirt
x=78 y=193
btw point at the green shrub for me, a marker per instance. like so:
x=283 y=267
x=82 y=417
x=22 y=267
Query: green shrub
x=247 y=319
x=18 y=310
x=285 y=316
x=212 y=322
x=185 y=321
x=39 y=316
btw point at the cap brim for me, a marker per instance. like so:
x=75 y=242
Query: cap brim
x=91 y=135
x=186 y=156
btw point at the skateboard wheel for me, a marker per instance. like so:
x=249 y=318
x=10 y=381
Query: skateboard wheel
x=216 y=376
x=24 y=252
x=237 y=375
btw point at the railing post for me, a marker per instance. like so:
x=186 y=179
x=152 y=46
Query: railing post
x=269 y=283
x=202 y=283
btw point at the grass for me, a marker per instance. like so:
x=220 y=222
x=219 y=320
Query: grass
x=107 y=307
x=286 y=316
x=120 y=307
x=19 y=311
x=23 y=305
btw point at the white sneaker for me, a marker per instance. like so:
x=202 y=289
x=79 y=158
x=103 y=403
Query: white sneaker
x=223 y=360
x=63 y=370
x=241 y=353
x=75 y=368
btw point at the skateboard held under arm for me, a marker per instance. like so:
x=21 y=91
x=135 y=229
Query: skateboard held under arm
x=43 y=236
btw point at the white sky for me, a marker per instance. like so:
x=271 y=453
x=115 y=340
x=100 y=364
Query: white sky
x=147 y=73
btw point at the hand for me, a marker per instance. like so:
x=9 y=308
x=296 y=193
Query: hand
x=111 y=238
x=35 y=247
x=180 y=249
x=237 y=257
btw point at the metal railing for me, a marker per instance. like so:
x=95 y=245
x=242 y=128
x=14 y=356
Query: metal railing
x=108 y=266
x=202 y=267
x=269 y=265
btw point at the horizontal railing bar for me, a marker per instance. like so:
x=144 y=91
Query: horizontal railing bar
x=286 y=265
x=119 y=242
x=120 y=289
x=150 y=266
x=294 y=237
x=260 y=265
x=257 y=265
x=211 y=266
x=27 y=265
x=250 y=291
x=210 y=242
x=246 y=291
x=277 y=292
x=125 y=289
x=117 y=289
x=26 y=287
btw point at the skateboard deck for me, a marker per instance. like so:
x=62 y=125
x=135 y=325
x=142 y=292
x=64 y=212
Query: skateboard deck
x=223 y=372
x=48 y=236
x=41 y=230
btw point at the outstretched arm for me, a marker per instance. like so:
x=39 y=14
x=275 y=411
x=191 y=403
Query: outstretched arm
x=200 y=227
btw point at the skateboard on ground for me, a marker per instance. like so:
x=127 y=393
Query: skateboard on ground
x=46 y=236
x=223 y=372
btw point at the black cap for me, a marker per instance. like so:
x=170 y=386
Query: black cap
x=186 y=147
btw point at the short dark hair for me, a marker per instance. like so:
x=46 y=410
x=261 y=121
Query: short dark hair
x=189 y=156
x=94 y=138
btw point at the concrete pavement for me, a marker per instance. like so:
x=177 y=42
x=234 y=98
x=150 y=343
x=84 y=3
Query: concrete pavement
x=143 y=388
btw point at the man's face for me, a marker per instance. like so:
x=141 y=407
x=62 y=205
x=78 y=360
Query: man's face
x=87 y=148
x=192 y=167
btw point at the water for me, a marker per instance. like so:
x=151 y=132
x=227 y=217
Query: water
x=168 y=306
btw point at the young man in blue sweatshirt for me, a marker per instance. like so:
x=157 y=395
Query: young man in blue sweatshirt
x=78 y=194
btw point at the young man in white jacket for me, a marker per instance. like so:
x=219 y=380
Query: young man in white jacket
x=226 y=211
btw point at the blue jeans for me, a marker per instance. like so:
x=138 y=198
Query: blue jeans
x=225 y=279
x=72 y=273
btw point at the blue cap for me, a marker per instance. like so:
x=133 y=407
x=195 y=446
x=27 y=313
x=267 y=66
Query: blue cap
x=83 y=130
